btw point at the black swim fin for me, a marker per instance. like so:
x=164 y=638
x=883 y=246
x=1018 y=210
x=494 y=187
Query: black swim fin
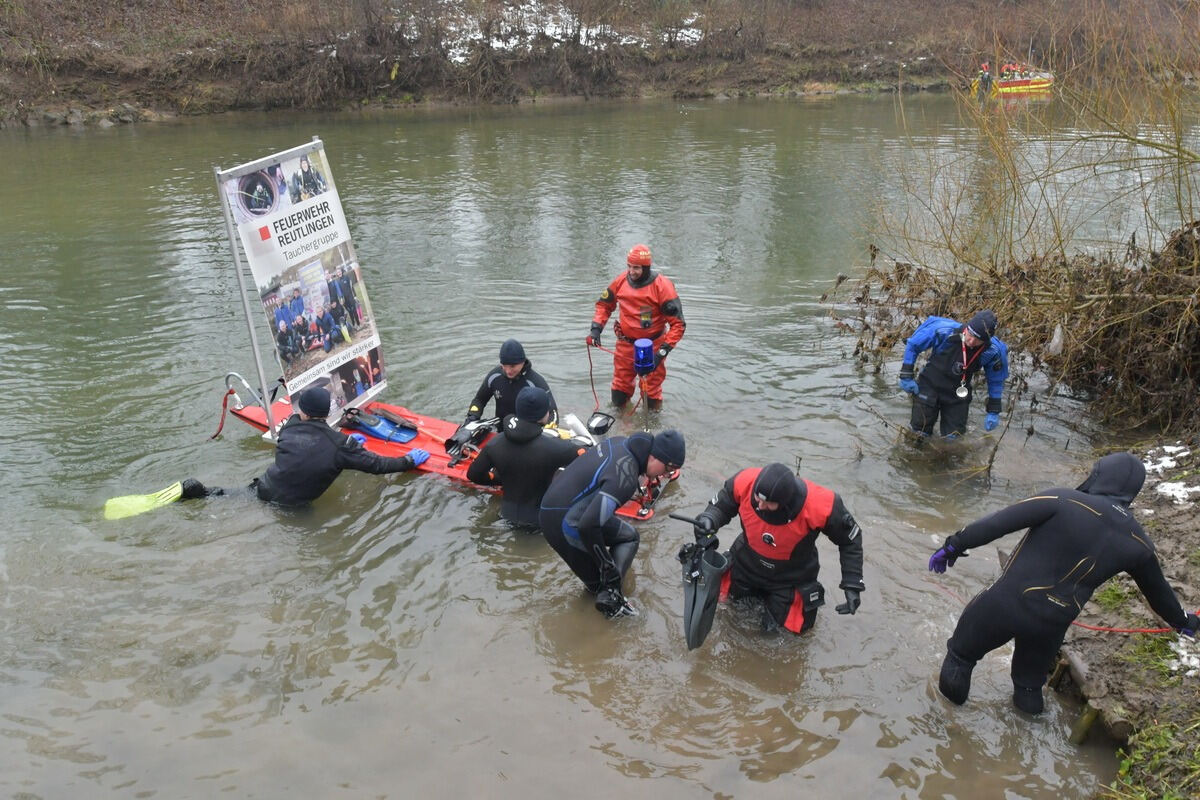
x=702 y=571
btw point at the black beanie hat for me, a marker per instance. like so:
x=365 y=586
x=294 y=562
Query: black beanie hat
x=315 y=402
x=669 y=448
x=983 y=326
x=511 y=352
x=533 y=404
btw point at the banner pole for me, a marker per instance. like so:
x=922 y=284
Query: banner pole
x=237 y=260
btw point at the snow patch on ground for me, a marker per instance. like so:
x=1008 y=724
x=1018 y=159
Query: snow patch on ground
x=518 y=25
x=1168 y=457
x=1187 y=651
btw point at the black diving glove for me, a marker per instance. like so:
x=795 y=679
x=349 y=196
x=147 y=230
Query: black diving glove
x=852 y=602
x=705 y=532
x=1191 y=627
x=660 y=355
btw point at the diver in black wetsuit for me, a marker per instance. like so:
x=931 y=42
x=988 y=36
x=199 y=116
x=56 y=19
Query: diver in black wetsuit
x=505 y=381
x=310 y=455
x=524 y=458
x=1077 y=539
x=578 y=515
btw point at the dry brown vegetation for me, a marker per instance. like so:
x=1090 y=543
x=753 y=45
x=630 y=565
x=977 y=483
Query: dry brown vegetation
x=1125 y=331
x=1110 y=317
x=223 y=54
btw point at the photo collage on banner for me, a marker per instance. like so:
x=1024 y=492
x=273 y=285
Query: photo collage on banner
x=289 y=218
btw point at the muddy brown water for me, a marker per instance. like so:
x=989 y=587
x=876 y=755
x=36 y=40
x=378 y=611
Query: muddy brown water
x=398 y=640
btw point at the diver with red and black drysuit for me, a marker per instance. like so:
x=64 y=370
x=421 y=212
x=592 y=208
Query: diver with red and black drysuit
x=1077 y=539
x=775 y=557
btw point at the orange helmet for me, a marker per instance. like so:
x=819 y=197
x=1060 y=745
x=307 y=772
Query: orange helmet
x=639 y=256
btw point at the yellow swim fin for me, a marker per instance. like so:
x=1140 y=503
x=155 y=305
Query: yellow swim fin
x=133 y=504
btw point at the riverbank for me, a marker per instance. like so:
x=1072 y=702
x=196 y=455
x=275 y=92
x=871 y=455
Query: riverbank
x=1144 y=687
x=87 y=85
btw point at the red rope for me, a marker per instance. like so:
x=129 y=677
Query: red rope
x=224 y=410
x=1101 y=628
x=1120 y=630
x=591 y=377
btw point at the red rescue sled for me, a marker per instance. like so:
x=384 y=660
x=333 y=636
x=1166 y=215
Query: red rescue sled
x=432 y=436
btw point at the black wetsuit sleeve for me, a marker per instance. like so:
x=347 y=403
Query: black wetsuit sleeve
x=843 y=531
x=1149 y=577
x=481 y=398
x=724 y=506
x=566 y=451
x=537 y=380
x=352 y=455
x=597 y=512
x=480 y=471
x=1025 y=514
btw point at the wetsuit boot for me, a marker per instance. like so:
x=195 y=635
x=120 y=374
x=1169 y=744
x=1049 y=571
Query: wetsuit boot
x=954 y=682
x=1028 y=700
x=612 y=604
x=619 y=398
x=654 y=405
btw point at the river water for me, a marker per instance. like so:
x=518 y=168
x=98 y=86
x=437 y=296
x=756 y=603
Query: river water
x=397 y=640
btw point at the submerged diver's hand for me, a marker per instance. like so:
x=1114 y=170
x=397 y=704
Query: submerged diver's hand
x=418 y=456
x=991 y=422
x=909 y=385
x=852 y=602
x=1191 y=627
x=944 y=557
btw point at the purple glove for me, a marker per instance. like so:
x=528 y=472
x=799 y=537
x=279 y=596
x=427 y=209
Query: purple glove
x=418 y=456
x=944 y=557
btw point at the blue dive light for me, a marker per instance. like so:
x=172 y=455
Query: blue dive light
x=643 y=356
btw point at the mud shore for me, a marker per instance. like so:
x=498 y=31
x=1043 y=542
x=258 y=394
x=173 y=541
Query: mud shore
x=1134 y=682
x=93 y=85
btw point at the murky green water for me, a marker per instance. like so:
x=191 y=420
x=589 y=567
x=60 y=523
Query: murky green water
x=398 y=640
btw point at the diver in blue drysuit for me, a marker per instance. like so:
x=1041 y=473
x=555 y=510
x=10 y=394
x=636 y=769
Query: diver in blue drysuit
x=943 y=388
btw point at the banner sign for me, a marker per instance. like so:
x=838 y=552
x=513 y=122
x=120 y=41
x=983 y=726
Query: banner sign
x=290 y=222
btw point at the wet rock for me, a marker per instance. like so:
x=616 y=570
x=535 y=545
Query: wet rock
x=54 y=118
x=106 y=123
x=75 y=117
